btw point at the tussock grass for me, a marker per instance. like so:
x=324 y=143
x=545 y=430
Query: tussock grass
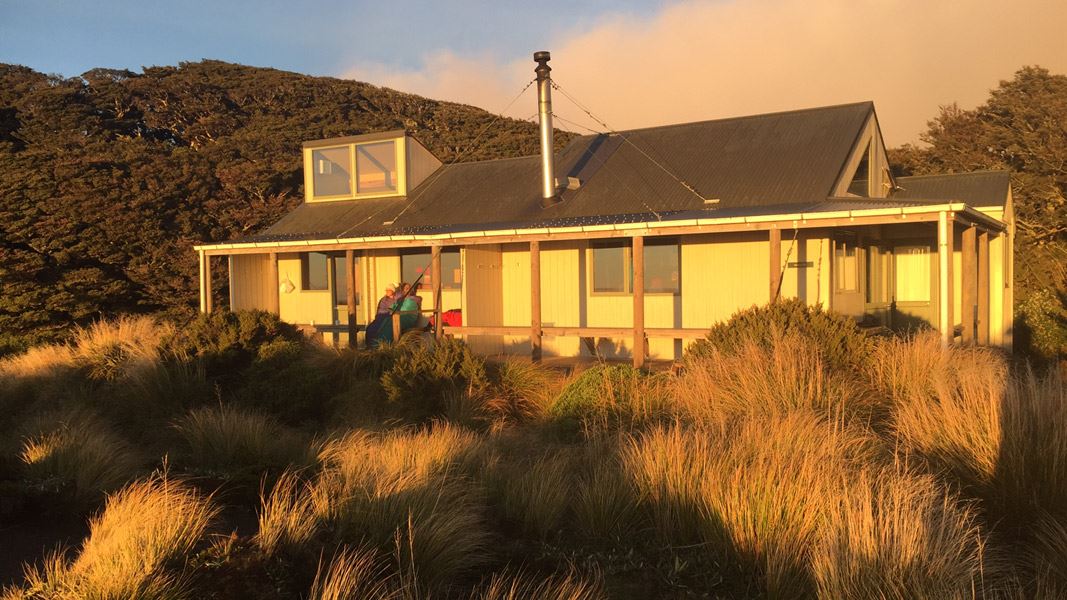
x=521 y=586
x=229 y=440
x=132 y=546
x=354 y=575
x=538 y=493
x=522 y=392
x=401 y=491
x=947 y=404
x=899 y=535
x=605 y=503
x=770 y=377
x=78 y=454
x=127 y=348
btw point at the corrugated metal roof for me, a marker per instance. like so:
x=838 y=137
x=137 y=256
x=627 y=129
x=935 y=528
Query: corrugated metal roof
x=780 y=162
x=980 y=188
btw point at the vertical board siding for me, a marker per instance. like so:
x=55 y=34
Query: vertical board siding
x=722 y=274
x=298 y=306
x=250 y=282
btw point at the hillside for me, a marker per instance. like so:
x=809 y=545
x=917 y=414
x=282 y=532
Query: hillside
x=106 y=180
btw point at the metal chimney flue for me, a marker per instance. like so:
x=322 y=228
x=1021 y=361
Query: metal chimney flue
x=544 y=114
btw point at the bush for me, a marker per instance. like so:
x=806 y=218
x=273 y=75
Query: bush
x=838 y=339
x=1041 y=321
x=133 y=546
x=227 y=342
x=230 y=441
x=421 y=380
x=283 y=381
x=607 y=397
x=76 y=456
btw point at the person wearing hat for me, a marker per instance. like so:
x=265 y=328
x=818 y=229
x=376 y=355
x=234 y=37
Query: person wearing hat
x=385 y=305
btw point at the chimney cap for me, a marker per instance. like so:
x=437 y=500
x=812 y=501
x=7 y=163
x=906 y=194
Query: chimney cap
x=542 y=56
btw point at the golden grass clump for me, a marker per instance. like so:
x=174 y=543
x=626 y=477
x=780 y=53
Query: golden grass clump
x=128 y=347
x=229 y=440
x=520 y=586
x=537 y=493
x=754 y=496
x=399 y=491
x=354 y=575
x=77 y=452
x=770 y=378
x=132 y=544
x=522 y=392
x=899 y=535
x=604 y=500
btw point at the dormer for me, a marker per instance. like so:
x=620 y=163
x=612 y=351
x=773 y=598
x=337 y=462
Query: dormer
x=866 y=174
x=374 y=165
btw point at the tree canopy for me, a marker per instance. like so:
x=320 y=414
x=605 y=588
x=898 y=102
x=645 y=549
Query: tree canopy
x=108 y=179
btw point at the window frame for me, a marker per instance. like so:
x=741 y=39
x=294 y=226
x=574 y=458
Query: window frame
x=305 y=272
x=628 y=266
x=399 y=149
x=444 y=251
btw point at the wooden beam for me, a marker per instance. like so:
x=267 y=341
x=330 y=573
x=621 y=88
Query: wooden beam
x=435 y=274
x=229 y=280
x=535 y=301
x=396 y=327
x=274 y=292
x=209 y=302
x=350 y=297
x=200 y=280
x=639 y=301
x=585 y=332
x=606 y=234
x=968 y=283
x=775 y=263
x=945 y=234
x=983 y=288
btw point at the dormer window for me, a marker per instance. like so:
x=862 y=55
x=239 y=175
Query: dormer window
x=348 y=169
x=372 y=165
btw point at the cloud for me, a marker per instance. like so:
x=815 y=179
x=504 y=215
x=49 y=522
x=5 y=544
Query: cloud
x=697 y=60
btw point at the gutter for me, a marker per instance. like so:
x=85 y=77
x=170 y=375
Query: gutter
x=902 y=213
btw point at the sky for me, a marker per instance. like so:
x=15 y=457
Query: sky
x=631 y=63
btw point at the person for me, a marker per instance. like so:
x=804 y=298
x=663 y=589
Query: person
x=414 y=294
x=385 y=305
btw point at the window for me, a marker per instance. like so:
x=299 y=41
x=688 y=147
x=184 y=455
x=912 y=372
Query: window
x=846 y=267
x=340 y=279
x=612 y=266
x=860 y=186
x=912 y=266
x=376 y=167
x=413 y=264
x=314 y=273
x=331 y=172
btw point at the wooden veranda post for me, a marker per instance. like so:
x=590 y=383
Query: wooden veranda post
x=206 y=271
x=200 y=280
x=535 y=301
x=968 y=283
x=983 y=287
x=946 y=321
x=272 y=280
x=775 y=262
x=639 y=301
x=350 y=297
x=435 y=274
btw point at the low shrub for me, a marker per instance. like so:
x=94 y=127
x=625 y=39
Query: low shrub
x=610 y=397
x=135 y=546
x=231 y=441
x=282 y=381
x=838 y=339
x=75 y=456
x=419 y=384
x=227 y=342
x=1041 y=326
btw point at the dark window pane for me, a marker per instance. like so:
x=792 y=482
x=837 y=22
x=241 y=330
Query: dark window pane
x=313 y=271
x=412 y=265
x=340 y=280
x=331 y=177
x=662 y=272
x=610 y=266
x=376 y=167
